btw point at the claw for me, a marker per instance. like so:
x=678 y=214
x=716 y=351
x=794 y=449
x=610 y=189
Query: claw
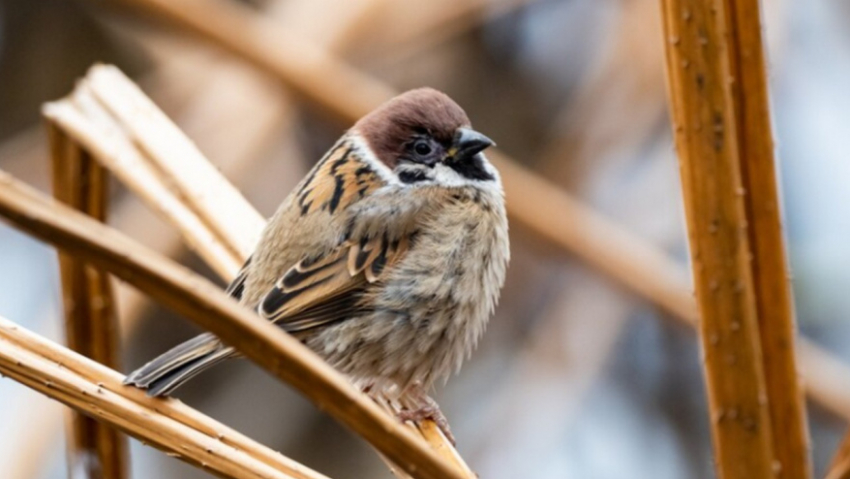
x=430 y=412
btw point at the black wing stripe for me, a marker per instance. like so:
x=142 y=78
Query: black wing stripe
x=378 y=264
x=297 y=277
x=277 y=298
x=329 y=288
x=317 y=262
x=237 y=286
x=363 y=254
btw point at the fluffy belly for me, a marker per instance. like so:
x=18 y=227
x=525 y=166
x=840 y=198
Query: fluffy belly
x=392 y=349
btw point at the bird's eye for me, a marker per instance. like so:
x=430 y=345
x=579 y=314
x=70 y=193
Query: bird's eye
x=422 y=148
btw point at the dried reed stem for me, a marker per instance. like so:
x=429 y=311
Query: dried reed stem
x=97 y=391
x=207 y=306
x=94 y=449
x=83 y=119
x=714 y=60
x=213 y=199
x=774 y=300
x=349 y=94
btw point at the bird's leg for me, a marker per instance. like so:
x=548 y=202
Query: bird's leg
x=419 y=406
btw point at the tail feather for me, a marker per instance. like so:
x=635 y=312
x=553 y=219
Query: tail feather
x=173 y=368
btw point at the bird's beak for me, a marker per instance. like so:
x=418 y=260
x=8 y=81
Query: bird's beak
x=468 y=143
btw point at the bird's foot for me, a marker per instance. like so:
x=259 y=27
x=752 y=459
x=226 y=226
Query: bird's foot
x=429 y=412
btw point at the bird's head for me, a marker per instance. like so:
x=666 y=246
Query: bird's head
x=423 y=136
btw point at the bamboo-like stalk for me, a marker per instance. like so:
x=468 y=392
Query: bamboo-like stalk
x=206 y=305
x=95 y=390
x=774 y=300
x=348 y=94
x=715 y=58
x=94 y=449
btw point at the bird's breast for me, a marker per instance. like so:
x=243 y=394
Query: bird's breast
x=446 y=287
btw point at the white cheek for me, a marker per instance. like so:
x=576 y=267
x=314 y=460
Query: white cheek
x=362 y=149
x=446 y=176
x=449 y=177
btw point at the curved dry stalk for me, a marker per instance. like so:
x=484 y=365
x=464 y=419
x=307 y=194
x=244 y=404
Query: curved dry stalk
x=97 y=391
x=208 y=306
x=348 y=94
x=91 y=326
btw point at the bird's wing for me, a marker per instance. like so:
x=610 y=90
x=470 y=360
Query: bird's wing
x=326 y=289
x=237 y=286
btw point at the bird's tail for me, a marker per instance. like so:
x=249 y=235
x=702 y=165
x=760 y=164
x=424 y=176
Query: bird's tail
x=179 y=364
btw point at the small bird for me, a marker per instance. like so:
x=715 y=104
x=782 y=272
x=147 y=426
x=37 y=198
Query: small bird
x=387 y=259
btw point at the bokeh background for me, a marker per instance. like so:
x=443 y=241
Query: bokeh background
x=576 y=377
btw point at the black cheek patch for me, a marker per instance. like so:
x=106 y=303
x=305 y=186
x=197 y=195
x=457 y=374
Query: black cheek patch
x=472 y=168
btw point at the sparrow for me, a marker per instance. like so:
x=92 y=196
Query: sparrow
x=387 y=259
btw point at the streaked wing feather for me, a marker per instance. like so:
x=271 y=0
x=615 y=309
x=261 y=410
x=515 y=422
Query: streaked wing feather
x=319 y=291
x=195 y=348
x=333 y=309
x=237 y=286
x=311 y=272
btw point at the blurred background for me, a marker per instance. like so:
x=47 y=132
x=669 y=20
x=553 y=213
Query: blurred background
x=576 y=377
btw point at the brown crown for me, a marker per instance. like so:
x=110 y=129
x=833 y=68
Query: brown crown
x=391 y=125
